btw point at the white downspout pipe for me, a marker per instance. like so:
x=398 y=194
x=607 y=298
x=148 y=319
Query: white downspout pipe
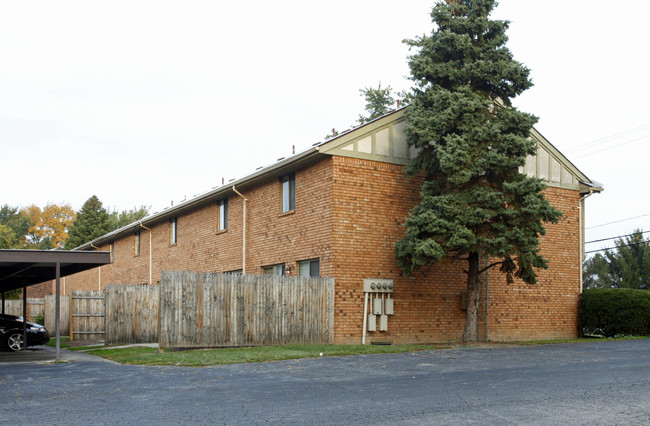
x=99 y=269
x=243 y=248
x=581 y=220
x=150 y=253
x=365 y=317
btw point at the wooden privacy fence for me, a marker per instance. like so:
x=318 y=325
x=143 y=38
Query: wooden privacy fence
x=50 y=314
x=35 y=305
x=131 y=314
x=208 y=310
x=87 y=315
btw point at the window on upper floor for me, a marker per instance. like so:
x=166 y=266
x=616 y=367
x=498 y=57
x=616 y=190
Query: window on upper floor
x=274 y=269
x=111 y=249
x=288 y=191
x=309 y=268
x=136 y=243
x=173 y=231
x=222 y=217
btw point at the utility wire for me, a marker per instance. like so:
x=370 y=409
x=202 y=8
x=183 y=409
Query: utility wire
x=618 y=221
x=613 y=238
x=611 y=248
x=612 y=147
x=607 y=139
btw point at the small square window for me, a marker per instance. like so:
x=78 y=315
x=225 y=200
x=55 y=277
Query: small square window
x=136 y=243
x=222 y=219
x=288 y=192
x=309 y=268
x=173 y=231
x=274 y=269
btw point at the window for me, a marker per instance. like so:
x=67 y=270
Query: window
x=222 y=220
x=274 y=269
x=309 y=268
x=111 y=248
x=172 y=231
x=236 y=271
x=288 y=192
x=136 y=243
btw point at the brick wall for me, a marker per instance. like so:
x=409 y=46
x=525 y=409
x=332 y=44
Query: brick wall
x=272 y=237
x=370 y=205
x=349 y=214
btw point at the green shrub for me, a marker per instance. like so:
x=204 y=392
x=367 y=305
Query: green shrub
x=615 y=311
x=39 y=318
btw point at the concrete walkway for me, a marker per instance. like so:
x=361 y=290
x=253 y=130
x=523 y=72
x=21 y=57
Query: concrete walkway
x=43 y=355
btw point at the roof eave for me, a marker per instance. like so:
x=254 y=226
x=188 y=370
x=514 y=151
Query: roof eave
x=277 y=169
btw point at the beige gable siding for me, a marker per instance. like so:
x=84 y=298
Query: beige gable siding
x=384 y=140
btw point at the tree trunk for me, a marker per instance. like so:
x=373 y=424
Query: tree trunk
x=471 y=317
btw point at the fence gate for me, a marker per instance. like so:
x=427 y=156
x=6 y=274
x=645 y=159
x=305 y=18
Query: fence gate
x=87 y=315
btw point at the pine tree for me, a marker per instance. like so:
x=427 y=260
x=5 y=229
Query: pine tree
x=91 y=222
x=127 y=217
x=628 y=266
x=471 y=142
x=378 y=102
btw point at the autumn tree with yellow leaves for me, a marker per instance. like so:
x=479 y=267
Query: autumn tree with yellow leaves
x=49 y=225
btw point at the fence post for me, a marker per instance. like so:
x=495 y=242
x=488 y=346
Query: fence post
x=71 y=308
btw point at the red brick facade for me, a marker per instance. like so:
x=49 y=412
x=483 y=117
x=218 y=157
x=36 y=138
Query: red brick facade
x=349 y=214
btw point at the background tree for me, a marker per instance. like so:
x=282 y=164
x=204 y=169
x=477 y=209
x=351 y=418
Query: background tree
x=628 y=266
x=13 y=228
x=49 y=226
x=378 y=102
x=471 y=143
x=127 y=217
x=92 y=221
x=6 y=237
x=17 y=223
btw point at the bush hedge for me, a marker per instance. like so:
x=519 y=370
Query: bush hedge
x=615 y=311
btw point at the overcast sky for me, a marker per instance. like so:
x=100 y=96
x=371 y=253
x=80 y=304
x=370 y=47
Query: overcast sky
x=149 y=102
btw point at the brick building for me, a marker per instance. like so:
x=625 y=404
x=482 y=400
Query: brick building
x=337 y=210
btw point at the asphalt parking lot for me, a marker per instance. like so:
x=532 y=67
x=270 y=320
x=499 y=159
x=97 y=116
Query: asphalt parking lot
x=595 y=383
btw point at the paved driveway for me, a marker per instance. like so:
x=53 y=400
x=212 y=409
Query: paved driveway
x=600 y=382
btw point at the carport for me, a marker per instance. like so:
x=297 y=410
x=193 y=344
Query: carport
x=23 y=268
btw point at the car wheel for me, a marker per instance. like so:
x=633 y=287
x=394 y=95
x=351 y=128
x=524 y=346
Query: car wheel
x=15 y=342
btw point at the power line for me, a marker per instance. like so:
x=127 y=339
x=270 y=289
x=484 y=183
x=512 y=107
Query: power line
x=607 y=138
x=612 y=147
x=611 y=248
x=618 y=221
x=613 y=238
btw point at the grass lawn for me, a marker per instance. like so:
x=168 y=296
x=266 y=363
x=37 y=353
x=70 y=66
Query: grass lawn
x=63 y=342
x=138 y=355
x=65 y=345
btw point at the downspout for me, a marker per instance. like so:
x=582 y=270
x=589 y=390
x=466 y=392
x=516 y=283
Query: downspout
x=99 y=285
x=150 y=252
x=243 y=248
x=581 y=219
x=365 y=316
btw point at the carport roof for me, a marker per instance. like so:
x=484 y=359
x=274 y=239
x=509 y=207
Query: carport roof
x=22 y=268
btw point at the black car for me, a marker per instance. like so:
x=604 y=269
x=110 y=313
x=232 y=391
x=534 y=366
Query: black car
x=11 y=333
